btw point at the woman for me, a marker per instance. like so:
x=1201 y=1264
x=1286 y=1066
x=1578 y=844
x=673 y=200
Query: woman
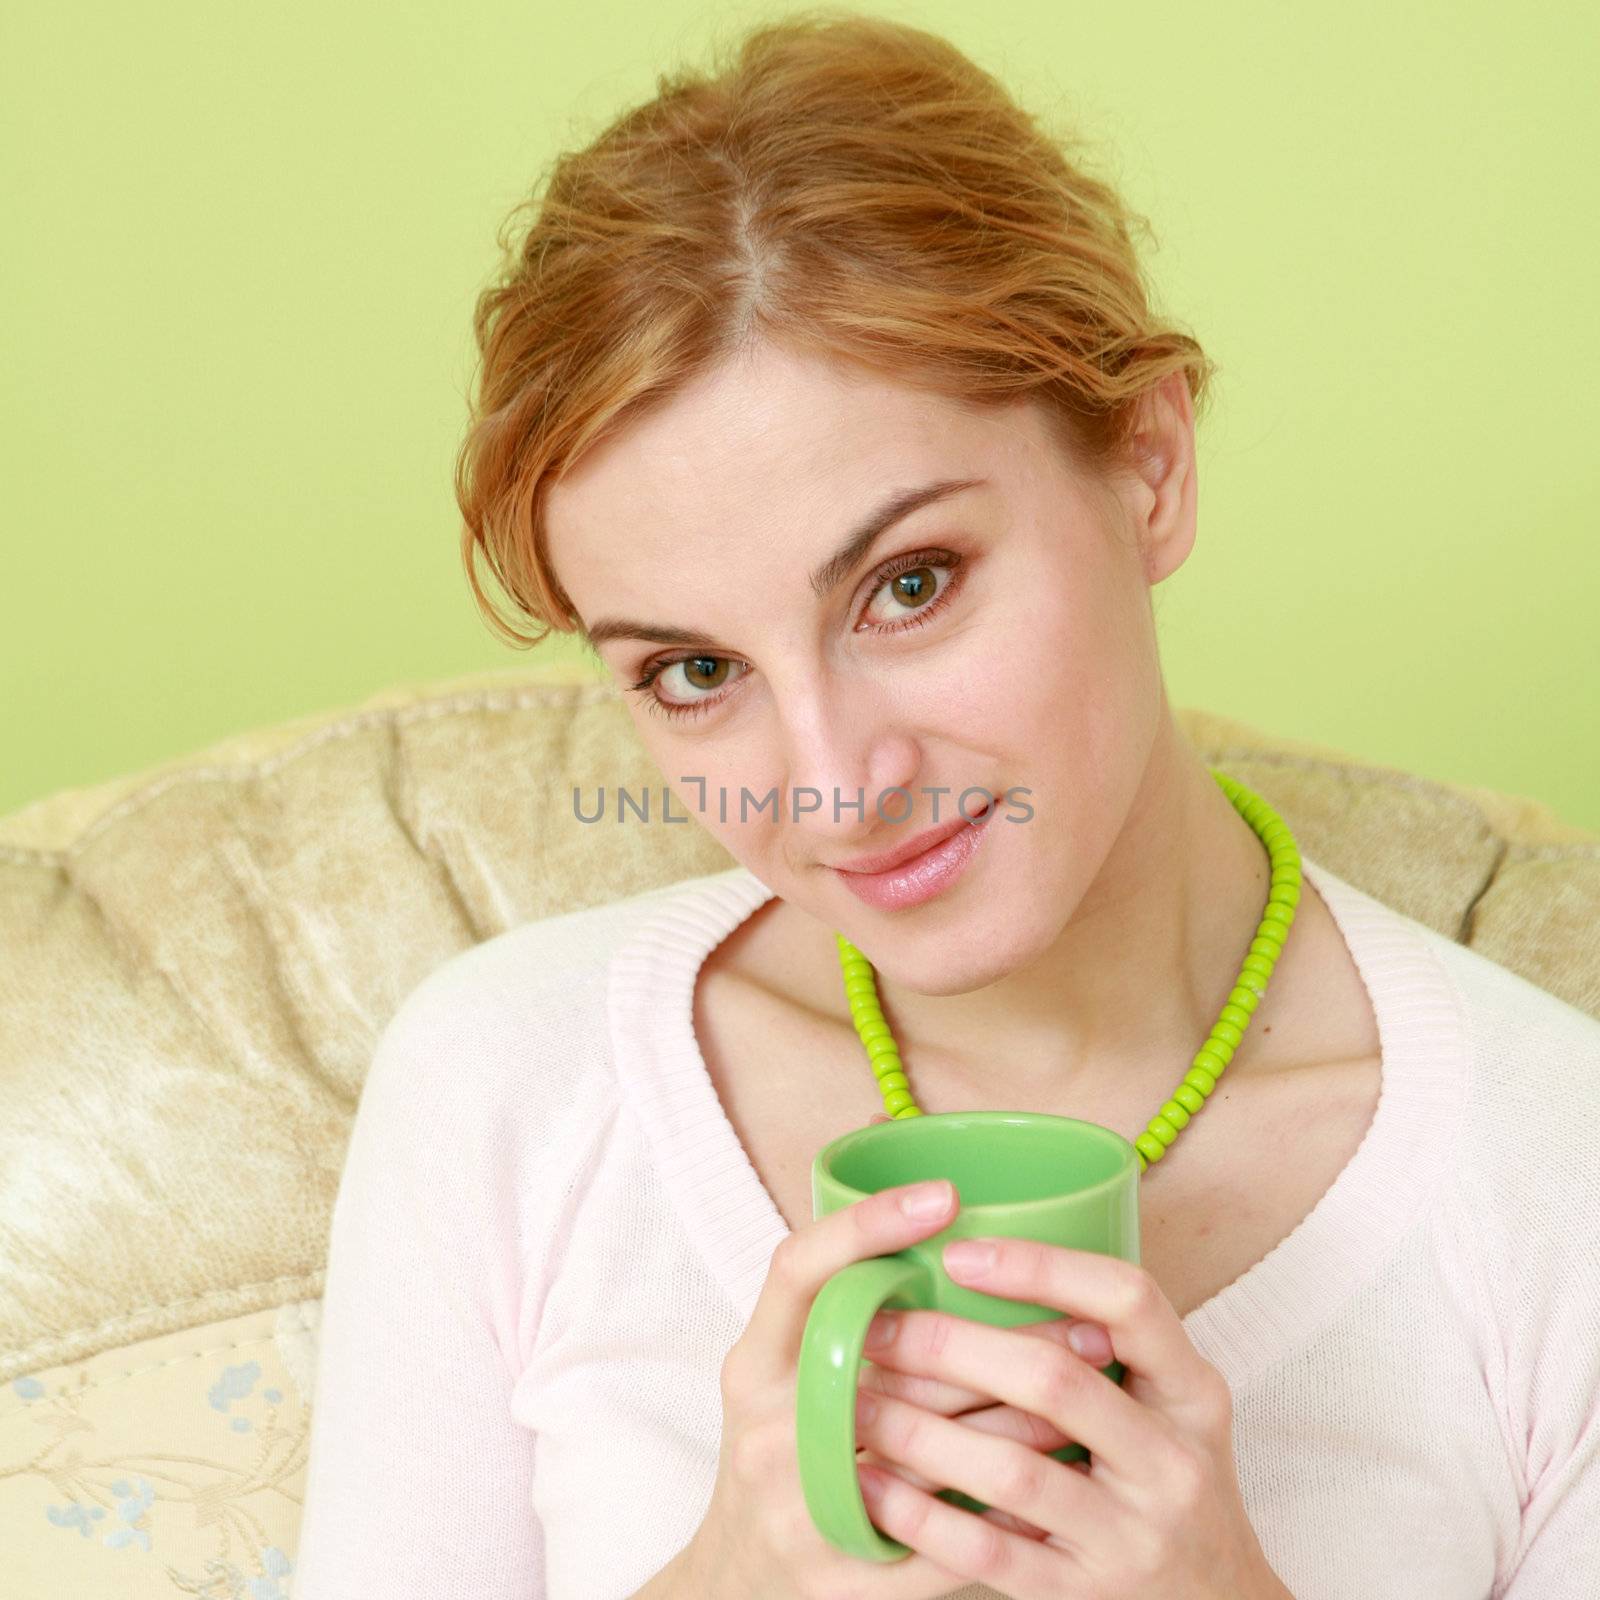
x=822 y=397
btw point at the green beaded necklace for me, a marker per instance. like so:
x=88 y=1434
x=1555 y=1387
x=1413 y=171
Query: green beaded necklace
x=861 y=989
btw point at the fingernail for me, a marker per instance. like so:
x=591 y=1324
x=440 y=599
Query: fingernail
x=1090 y=1341
x=971 y=1258
x=866 y=1407
x=927 y=1199
x=881 y=1330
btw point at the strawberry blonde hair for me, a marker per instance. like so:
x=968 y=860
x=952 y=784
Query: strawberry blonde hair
x=840 y=184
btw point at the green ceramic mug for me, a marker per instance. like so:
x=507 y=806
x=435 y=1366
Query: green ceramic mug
x=1018 y=1174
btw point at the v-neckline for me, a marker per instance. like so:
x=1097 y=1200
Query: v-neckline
x=1269 y=1310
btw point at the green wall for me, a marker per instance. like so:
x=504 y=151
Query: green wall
x=242 y=245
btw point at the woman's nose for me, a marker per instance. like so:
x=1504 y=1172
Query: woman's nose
x=849 y=762
x=856 y=792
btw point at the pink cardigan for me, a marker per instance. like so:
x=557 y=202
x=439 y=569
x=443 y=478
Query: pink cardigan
x=547 y=1236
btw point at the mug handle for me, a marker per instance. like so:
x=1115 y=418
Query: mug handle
x=827 y=1379
x=826 y=1382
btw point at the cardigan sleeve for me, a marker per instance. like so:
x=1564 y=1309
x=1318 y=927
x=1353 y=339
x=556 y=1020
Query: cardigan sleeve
x=419 y=1477
x=1560 y=1546
x=1547 y=1223
x=1558 y=1550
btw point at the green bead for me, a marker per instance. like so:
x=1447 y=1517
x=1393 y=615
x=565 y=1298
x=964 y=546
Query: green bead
x=1150 y=1146
x=1227 y=1032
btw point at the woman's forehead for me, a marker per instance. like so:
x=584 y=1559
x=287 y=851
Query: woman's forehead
x=793 y=454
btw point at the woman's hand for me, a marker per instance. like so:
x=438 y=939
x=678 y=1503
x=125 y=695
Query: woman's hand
x=1157 y=1515
x=975 y=1408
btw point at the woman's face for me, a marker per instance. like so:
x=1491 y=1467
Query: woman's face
x=997 y=638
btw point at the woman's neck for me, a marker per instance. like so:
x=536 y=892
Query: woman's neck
x=1128 y=989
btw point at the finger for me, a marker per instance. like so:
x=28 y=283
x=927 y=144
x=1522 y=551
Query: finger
x=996 y=1421
x=931 y=1392
x=1007 y=1519
x=1037 y=1377
x=1037 y=1432
x=1028 y=1530
x=871 y=1458
x=1004 y=1422
x=1033 y=1431
x=769 y=1349
x=1147 y=1335
x=952 y=1537
x=1011 y=1524
x=990 y=1469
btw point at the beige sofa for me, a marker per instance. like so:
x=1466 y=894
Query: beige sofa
x=195 y=963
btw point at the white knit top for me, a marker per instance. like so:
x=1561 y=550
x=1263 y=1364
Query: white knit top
x=547 y=1237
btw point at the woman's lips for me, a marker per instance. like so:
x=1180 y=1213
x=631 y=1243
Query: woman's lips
x=923 y=876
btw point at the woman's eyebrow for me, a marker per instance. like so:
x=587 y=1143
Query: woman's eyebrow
x=824 y=580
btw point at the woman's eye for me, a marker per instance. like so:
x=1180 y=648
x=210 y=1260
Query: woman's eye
x=911 y=592
x=911 y=596
x=701 y=679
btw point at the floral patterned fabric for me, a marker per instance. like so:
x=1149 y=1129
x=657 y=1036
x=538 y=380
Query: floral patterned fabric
x=173 y=1466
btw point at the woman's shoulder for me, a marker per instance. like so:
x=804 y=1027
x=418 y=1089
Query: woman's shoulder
x=514 y=1033
x=548 y=976
x=1532 y=1086
x=1511 y=1018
